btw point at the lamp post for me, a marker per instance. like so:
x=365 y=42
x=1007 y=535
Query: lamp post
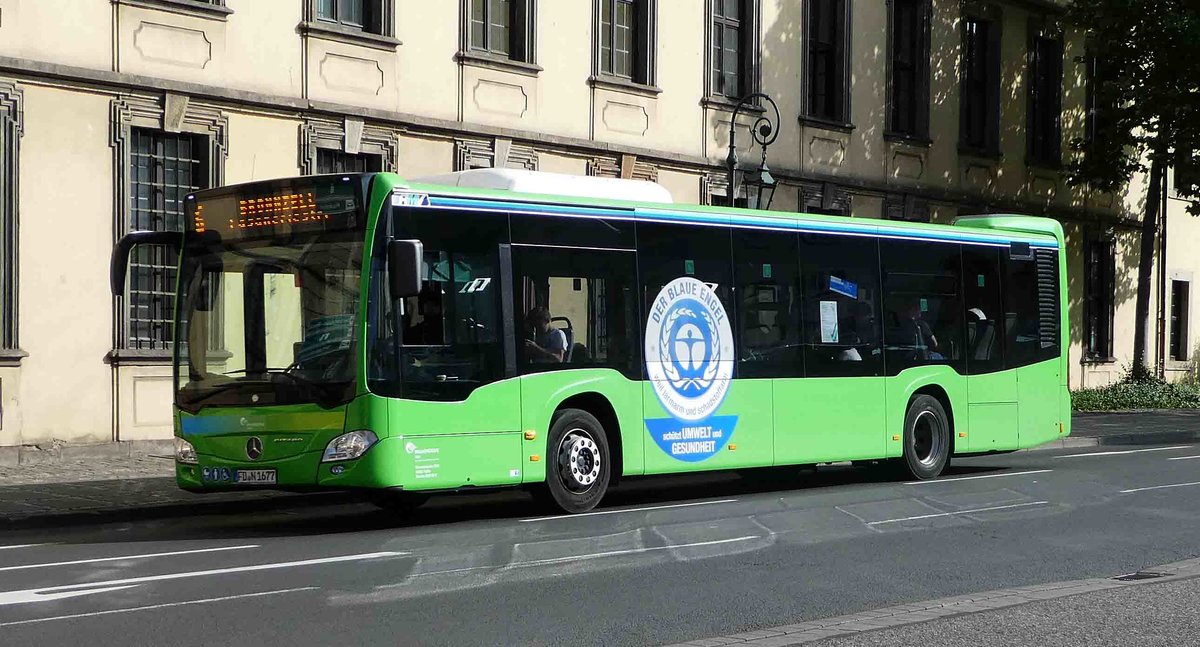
x=764 y=131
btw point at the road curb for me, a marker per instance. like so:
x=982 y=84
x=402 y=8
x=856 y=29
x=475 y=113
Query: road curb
x=57 y=451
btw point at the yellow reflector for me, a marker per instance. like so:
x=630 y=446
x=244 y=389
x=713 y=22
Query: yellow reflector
x=1061 y=428
x=732 y=447
x=535 y=458
x=530 y=434
x=962 y=434
x=895 y=436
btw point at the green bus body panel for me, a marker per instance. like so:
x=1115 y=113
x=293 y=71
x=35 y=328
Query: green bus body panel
x=829 y=419
x=901 y=388
x=1040 y=415
x=542 y=393
x=749 y=445
x=991 y=412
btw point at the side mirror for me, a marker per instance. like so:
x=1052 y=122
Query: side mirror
x=404 y=268
x=120 y=258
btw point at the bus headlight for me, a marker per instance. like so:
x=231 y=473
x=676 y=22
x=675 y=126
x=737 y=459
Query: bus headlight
x=349 y=446
x=184 y=452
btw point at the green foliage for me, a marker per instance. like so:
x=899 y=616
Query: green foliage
x=1138 y=390
x=1146 y=88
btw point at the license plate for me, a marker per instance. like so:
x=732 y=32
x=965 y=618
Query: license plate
x=255 y=477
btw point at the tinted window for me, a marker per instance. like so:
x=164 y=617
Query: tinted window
x=451 y=334
x=579 y=309
x=767 y=274
x=983 y=314
x=922 y=304
x=840 y=311
x=1031 y=305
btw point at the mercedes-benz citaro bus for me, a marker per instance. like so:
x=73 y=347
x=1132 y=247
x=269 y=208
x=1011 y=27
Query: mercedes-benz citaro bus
x=508 y=328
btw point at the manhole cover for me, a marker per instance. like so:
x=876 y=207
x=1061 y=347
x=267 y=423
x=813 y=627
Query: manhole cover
x=1140 y=575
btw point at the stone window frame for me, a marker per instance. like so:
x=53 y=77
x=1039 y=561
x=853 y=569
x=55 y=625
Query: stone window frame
x=751 y=63
x=211 y=9
x=992 y=13
x=626 y=167
x=11 y=130
x=823 y=198
x=921 y=135
x=1041 y=28
x=644 y=76
x=352 y=136
x=485 y=153
x=524 y=63
x=172 y=113
x=906 y=207
x=384 y=40
x=845 y=45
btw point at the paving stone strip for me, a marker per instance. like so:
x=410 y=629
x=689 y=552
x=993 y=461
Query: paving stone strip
x=907 y=614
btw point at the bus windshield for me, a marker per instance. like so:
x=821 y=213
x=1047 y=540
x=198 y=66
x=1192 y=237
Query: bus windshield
x=269 y=321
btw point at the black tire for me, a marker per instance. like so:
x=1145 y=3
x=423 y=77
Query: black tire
x=578 y=463
x=927 y=439
x=399 y=503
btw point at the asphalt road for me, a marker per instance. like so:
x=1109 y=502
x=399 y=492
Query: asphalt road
x=668 y=559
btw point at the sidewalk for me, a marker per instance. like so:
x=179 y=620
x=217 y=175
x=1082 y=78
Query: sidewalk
x=106 y=484
x=115 y=482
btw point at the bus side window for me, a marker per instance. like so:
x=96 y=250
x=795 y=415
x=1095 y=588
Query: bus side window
x=923 y=311
x=767 y=274
x=840 y=311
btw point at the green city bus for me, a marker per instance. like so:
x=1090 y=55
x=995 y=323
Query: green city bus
x=361 y=331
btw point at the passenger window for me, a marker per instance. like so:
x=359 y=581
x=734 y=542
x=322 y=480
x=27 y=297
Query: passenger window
x=668 y=252
x=577 y=309
x=922 y=304
x=840 y=313
x=983 y=314
x=1031 y=305
x=767 y=273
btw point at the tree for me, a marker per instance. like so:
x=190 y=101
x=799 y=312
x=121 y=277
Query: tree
x=1143 y=114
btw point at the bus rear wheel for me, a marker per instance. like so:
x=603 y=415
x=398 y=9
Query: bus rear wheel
x=927 y=441
x=577 y=461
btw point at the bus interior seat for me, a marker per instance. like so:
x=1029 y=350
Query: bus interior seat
x=569 y=331
x=578 y=354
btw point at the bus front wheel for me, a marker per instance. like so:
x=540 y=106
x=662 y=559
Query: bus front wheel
x=577 y=461
x=927 y=441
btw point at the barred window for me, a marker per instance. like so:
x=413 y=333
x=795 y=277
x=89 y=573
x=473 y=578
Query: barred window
x=729 y=55
x=165 y=168
x=503 y=28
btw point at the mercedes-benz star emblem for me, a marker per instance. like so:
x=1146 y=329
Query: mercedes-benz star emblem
x=254 y=448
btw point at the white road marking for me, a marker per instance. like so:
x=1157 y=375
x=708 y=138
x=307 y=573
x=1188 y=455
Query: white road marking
x=971 y=478
x=1159 y=487
x=39 y=595
x=21 y=546
x=124 y=557
x=629 y=551
x=653 y=507
x=1183 y=458
x=948 y=514
x=1126 y=451
x=155 y=606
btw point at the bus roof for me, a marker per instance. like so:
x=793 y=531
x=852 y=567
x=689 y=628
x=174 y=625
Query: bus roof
x=539 y=182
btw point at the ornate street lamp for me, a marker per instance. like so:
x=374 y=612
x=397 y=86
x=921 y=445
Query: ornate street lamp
x=764 y=131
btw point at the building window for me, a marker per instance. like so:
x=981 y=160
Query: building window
x=626 y=39
x=1180 y=293
x=164 y=169
x=366 y=15
x=1045 y=99
x=332 y=161
x=502 y=28
x=908 y=109
x=10 y=149
x=979 y=122
x=827 y=38
x=733 y=44
x=1099 y=272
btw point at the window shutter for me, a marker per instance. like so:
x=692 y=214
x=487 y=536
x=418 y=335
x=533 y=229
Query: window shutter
x=643 y=61
x=522 y=31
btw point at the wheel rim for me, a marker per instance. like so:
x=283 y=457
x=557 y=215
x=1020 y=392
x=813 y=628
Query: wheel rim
x=927 y=438
x=579 y=460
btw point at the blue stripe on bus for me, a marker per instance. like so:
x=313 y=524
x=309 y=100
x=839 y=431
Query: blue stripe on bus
x=737 y=220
